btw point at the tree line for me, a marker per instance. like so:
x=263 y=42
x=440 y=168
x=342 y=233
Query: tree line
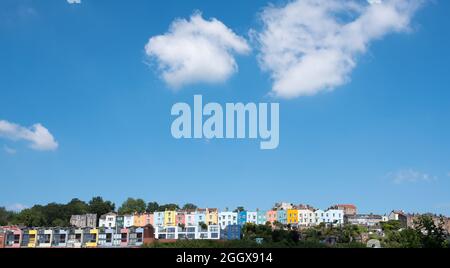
x=58 y=215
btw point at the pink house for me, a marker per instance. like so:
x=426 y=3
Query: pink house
x=271 y=216
x=189 y=218
x=124 y=237
x=13 y=237
x=180 y=218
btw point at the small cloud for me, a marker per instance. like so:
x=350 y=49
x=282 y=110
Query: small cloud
x=17 y=207
x=196 y=50
x=410 y=176
x=9 y=150
x=37 y=135
x=74 y=1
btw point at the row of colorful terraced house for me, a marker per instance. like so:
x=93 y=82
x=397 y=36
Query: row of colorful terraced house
x=16 y=237
x=284 y=213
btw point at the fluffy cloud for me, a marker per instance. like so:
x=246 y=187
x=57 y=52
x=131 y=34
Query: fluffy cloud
x=409 y=176
x=74 y=1
x=196 y=50
x=38 y=136
x=310 y=46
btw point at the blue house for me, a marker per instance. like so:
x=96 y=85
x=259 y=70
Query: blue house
x=242 y=217
x=282 y=216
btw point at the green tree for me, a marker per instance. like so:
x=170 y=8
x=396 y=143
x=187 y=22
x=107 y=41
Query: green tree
x=432 y=235
x=100 y=207
x=170 y=206
x=406 y=238
x=203 y=225
x=391 y=225
x=132 y=205
x=152 y=207
x=31 y=217
x=189 y=206
x=77 y=207
x=239 y=209
x=6 y=216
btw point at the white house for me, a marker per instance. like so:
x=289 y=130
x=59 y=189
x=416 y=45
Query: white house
x=227 y=218
x=128 y=221
x=108 y=220
x=252 y=217
x=319 y=216
x=189 y=232
x=334 y=216
x=306 y=217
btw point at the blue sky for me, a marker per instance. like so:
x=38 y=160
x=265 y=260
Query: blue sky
x=379 y=139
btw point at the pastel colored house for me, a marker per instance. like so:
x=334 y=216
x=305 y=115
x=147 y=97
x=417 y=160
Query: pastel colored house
x=190 y=232
x=306 y=217
x=271 y=216
x=334 y=217
x=136 y=237
x=13 y=237
x=44 y=238
x=292 y=216
x=200 y=216
x=124 y=237
x=75 y=239
x=141 y=220
x=242 y=217
x=190 y=218
x=158 y=218
x=212 y=216
x=261 y=217
x=128 y=221
x=180 y=218
x=106 y=237
x=282 y=216
x=108 y=220
x=170 y=217
x=30 y=238
x=90 y=238
x=252 y=217
x=60 y=237
x=227 y=218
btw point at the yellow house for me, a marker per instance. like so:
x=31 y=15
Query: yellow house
x=32 y=238
x=170 y=217
x=292 y=216
x=212 y=216
x=139 y=220
x=93 y=241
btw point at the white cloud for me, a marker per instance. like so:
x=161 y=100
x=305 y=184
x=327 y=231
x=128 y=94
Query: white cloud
x=410 y=176
x=310 y=46
x=74 y=1
x=196 y=50
x=39 y=137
